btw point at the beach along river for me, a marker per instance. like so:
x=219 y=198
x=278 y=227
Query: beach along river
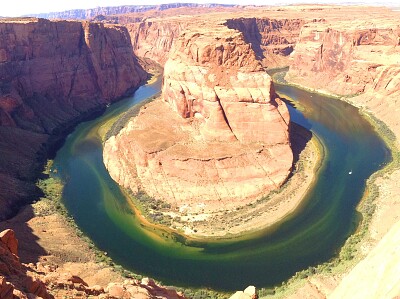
x=311 y=235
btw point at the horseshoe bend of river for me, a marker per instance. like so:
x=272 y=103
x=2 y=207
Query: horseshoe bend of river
x=311 y=235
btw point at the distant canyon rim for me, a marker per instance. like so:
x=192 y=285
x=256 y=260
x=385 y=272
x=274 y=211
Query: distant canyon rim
x=57 y=73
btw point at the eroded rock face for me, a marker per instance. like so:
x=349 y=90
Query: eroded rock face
x=345 y=57
x=218 y=138
x=53 y=75
x=273 y=40
x=153 y=39
x=353 y=58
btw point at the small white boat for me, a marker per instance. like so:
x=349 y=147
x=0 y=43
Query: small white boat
x=351 y=171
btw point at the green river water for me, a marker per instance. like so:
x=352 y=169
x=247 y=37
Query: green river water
x=313 y=234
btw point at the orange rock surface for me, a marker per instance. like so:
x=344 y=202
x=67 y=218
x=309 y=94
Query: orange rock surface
x=53 y=75
x=219 y=136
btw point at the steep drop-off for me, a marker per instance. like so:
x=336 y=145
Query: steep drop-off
x=53 y=75
x=154 y=39
x=217 y=139
x=273 y=40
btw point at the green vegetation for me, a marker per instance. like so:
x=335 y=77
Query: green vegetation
x=51 y=203
x=350 y=254
x=151 y=208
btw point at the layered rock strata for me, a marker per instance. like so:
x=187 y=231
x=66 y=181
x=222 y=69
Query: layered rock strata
x=273 y=40
x=354 y=58
x=218 y=138
x=53 y=75
x=153 y=39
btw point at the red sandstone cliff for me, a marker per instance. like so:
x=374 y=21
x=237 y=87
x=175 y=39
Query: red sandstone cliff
x=53 y=74
x=219 y=137
x=273 y=40
x=153 y=39
x=352 y=57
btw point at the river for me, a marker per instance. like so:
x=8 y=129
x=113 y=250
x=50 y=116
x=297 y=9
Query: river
x=312 y=235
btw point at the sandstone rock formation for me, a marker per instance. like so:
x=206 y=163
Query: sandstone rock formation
x=53 y=75
x=219 y=137
x=153 y=39
x=18 y=280
x=273 y=40
x=249 y=293
x=357 y=58
x=15 y=280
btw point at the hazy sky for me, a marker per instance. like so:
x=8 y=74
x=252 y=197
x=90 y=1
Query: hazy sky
x=22 y=7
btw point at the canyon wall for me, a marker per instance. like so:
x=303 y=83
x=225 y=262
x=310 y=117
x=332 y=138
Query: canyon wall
x=217 y=139
x=357 y=58
x=153 y=39
x=273 y=40
x=53 y=75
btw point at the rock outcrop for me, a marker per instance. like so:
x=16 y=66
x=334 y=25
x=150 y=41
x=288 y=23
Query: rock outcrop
x=219 y=136
x=346 y=57
x=153 y=39
x=249 y=293
x=16 y=281
x=273 y=40
x=53 y=75
x=19 y=280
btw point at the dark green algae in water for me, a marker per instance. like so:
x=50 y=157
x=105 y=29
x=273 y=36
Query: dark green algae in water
x=311 y=235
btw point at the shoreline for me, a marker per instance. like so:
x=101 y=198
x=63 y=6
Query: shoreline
x=324 y=278
x=261 y=215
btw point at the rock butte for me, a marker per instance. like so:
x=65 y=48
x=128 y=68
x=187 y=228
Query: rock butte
x=344 y=50
x=219 y=135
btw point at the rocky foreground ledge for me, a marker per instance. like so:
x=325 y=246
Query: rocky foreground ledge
x=219 y=136
x=73 y=279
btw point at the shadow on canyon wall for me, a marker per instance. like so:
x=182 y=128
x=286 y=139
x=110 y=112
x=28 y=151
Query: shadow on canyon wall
x=299 y=137
x=29 y=249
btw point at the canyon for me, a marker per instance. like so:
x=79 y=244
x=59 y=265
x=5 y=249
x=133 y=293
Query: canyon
x=54 y=74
